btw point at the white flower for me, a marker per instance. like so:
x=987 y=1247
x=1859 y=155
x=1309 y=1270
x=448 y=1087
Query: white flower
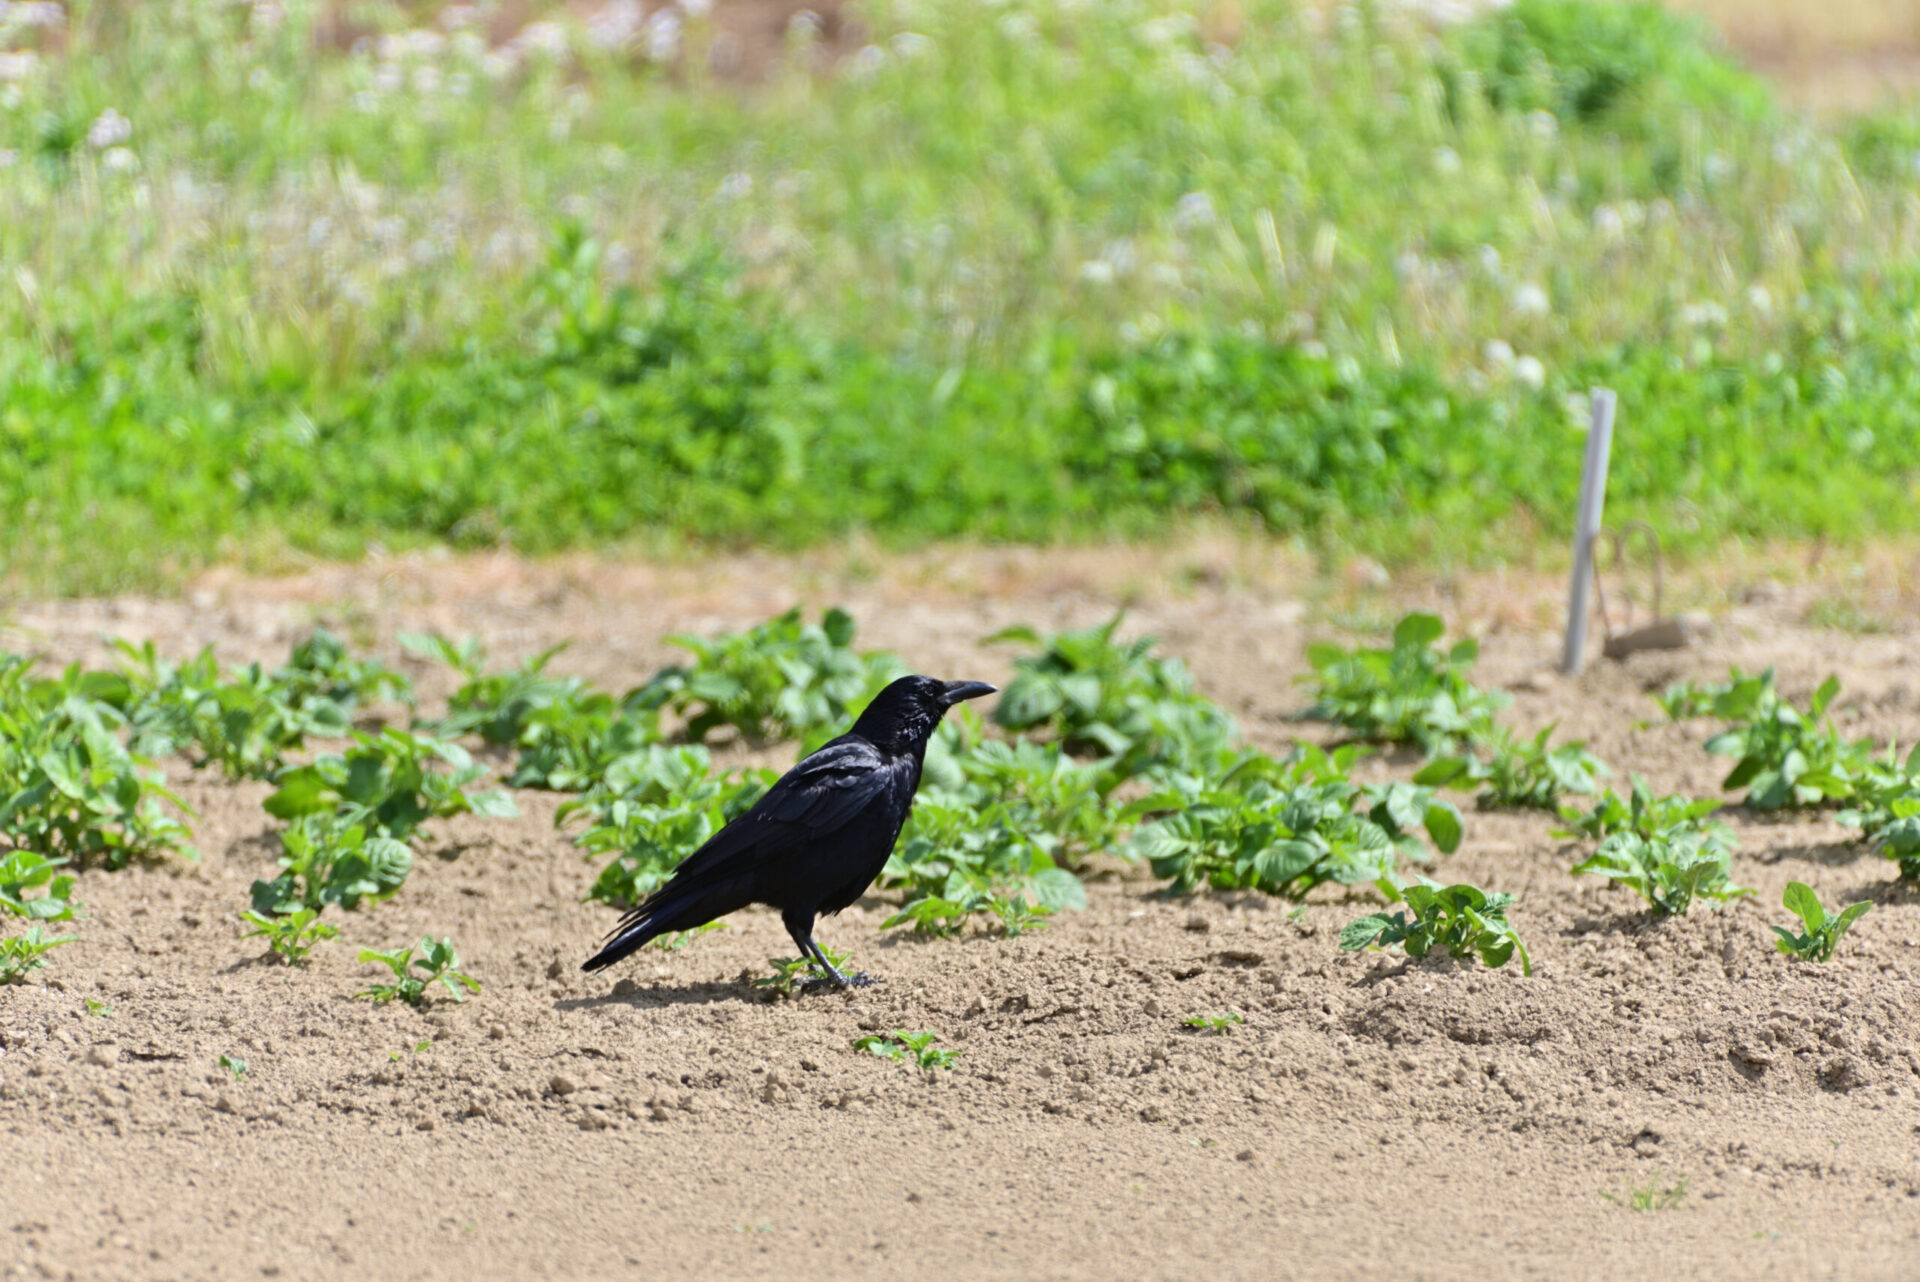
x=867 y=62
x=1529 y=372
x=1717 y=168
x=1193 y=211
x=1498 y=353
x=9 y=156
x=1608 y=223
x=1529 y=300
x=1490 y=261
x=1446 y=160
x=663 y=36
x=1097 y=271
x=546 y=38
x=110 y=129
x=1543 y=125
x=805 y=27
x=1020 y=28
x=18 y=66
x=119 y=160
x=696 y=9
x=1712 y=315
x=457 y=16
x=1759 y=299
x=911 y=44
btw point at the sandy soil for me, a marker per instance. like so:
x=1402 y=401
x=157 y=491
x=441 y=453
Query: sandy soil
x=668 y=1119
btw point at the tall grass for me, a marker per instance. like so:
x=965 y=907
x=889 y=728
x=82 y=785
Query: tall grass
x=1015 y=270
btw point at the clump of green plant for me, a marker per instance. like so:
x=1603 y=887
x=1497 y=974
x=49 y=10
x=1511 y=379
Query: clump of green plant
x=1670 y=867
x=1642 y=813
x=796 y=974
x=1065 y=806
x=68 y=786
x=22 y=871
x=1409 y=692
x=1728 y=700
x=99 y=1009
x=291 y=937
x=1462 y=919
x=1819 y=933
x=412 y=975
x=249 y=719
x=652 y=809
x=917 y=1049
x=1215 y=1025
x=1787 y=758
x=1110 y=698
x=1285 y=827
x=956 y=858
x=325 y=860
x=1519 y=773
x=567 y=734
x=387 y=783
x=26 y=952
x=783 y=678
x=234 y=1065
x=1886 y=809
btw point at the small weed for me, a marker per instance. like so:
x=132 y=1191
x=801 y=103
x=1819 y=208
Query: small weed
x=679 y=939
x=233 y=1065
x=26 y=952
x=1652 y=1196
x=793 y=973
x=437 y=962
x=99 y=1009
x=291 y=937
x=1215 y=1025
x=1821 y=932
x=1463 y=919
x=905 y=1047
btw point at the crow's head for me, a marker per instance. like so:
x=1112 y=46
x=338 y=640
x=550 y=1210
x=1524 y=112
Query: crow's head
x=904 y=714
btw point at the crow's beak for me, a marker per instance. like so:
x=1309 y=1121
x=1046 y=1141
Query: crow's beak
x=961 y=691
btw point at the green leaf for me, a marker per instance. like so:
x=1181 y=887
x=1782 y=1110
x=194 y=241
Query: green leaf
x=1804 y=904
x=1417 y=630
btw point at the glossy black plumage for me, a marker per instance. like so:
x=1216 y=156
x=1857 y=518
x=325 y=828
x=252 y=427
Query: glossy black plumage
x=817 y=839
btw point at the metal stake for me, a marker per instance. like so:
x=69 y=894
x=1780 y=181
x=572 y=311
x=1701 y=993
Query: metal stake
x=1593 y=495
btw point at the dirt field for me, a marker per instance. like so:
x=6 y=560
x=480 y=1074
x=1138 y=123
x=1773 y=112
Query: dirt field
x=666 y=1119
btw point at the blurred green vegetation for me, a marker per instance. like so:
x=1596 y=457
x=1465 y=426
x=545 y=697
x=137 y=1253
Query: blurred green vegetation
x=1014 y=271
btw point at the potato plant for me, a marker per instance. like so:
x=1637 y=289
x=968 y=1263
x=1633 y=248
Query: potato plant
x=1519 y=773
x=1461 y=919
x=1669 y=868
x=26 y=952
x=784 y=678
x=412 y=975
x=1099 y=696
x=1281 y=826
x=1787 y=758
x=388 y=783
x=1408 y=692
x=912 y=1048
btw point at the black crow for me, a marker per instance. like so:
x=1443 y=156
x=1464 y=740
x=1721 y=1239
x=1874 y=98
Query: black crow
x=818 y=838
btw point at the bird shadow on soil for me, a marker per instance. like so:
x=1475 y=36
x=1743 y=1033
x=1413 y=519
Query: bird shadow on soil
x=667 y=995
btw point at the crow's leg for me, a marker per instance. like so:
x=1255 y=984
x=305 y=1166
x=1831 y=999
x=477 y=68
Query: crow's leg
x=799 y=924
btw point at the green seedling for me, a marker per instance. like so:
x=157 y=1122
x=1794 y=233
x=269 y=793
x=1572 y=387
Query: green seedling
x=908 y=1048
x=327 y=860
x=1730 y=700
x=26 y=952
x=1820 y=932
x=237 y=1067
x=674 y=942
x=1669 y=869
x=436 y=962
x=1519 y=773
x=794 y=974
x=291 y=937
x=419 y=1048
x=1410 y=692
x=1464 y=920
x=1652 y=1196
x=1215 y=1025
x=99 y=1009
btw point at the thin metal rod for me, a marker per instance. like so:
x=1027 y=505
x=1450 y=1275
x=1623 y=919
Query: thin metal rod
x=1593 y=497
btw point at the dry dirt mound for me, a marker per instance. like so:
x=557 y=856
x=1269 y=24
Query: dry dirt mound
x=1369 y=1116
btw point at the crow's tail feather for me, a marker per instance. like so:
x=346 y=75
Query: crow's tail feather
x=667 y=910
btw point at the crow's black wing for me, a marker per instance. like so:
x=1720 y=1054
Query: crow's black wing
x=818 y=796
